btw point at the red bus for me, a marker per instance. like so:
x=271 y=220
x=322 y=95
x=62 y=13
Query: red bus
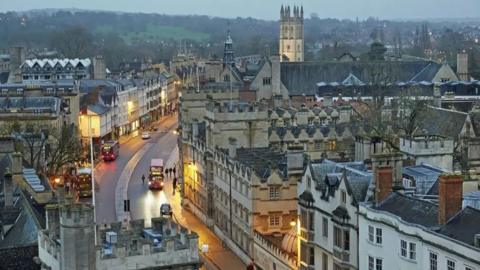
x=83 y=182
x=156 y=174
x=110 y=150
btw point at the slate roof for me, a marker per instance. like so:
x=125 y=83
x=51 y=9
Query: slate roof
x=442 y=122
x=46 y=104
x=424 y=176
x=410 y=209
x=98 y=109
x=463 y=226
x=301 y=78
x=263 y=160
x=327 y=174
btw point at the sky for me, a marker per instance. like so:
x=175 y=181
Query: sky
x=269 y=9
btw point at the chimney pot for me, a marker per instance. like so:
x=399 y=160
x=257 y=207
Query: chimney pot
x=449 y=196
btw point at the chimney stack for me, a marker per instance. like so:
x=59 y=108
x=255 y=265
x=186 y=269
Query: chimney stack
x=328 y=101
x=449 y=196
x=295 y=160
x=383 y=183
x=462 y=66
x=276 y=84
x=232 y=147
x=8 y=188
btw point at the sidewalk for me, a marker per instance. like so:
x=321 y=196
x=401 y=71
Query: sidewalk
x=218 y=255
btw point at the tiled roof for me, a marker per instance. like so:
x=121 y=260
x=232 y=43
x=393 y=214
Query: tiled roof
x=262 y=160
x=302 y=78
x=463 y=226
x=61 y=62
x=442 y=122
x=410 y=209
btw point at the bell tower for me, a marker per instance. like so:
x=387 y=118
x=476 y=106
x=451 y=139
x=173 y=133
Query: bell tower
x=291 y=34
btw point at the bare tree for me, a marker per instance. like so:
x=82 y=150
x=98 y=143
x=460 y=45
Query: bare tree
x=65 y=148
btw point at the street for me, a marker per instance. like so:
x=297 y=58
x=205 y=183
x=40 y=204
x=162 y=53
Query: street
x=123 y=178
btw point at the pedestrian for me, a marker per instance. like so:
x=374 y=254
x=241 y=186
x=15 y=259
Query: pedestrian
x=174 y=185
x=251 y=266
x=174 y=172
x=143 y=179
x=166 y=172
x=170 y=172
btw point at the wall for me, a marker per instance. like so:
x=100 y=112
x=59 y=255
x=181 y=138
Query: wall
x=270 y=257
x=393 y=229
x=436 y=152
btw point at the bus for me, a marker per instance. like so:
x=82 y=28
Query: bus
x=110 y=150
x=155 y=180
x=83 y=182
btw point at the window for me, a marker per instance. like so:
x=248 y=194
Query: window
x=267 y=81
x=311 y=222
x=309 y=182
x=433 y=261
x=371 y=234
x=311 y=257
x=332 y=145
x=379 y=236
x=468 y=267
x=318 y=145
x=337 y=236
x=379 y=264
x=413 y=253
x=403 y=248
x=274 y=220
x=371 y=263
x=450 y=265
x=274 y=193
x=325 y=261
x=344 y=196
x=346 y=240
x=325 y=227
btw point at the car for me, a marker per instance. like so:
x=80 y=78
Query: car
x=145 y=135
x=155 y=185
x=166 y=209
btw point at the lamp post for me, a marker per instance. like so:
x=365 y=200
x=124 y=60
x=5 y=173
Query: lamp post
x=92 y=168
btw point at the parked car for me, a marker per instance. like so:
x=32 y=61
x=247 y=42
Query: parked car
x=145 y=135
x=166 y=209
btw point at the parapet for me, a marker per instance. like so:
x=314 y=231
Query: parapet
x=76 y=215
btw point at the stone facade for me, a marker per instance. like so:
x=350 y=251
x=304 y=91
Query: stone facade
x=291 y=34
x=430 y=150
x=68 y=243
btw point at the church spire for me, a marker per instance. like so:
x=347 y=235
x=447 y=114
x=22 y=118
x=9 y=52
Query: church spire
x=228 y=52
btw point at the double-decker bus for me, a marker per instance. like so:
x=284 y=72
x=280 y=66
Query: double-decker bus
x=83 y=182
x=110 y=150
x=155 y=180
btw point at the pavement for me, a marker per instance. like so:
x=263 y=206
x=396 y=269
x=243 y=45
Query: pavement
x=121 y=179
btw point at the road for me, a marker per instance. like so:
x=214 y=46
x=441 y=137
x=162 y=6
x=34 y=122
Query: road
x=123 y=178
x=107 y=174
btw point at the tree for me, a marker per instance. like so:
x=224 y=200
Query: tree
x=73 y=42
x=65 y=148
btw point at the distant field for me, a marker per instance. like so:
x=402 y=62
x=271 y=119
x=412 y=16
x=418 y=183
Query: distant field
x=156 y=33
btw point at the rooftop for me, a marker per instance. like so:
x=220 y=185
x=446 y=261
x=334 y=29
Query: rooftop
x=263 y=160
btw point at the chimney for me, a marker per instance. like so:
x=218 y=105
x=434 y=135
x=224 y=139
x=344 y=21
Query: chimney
x=8 y=188
x=99 y=68
x=295 y=160
x=232 y=147
x=462 y=66
x=449 y=196
x=476 y=240
x=327 y=100
x=53 y=221
x=383 y=183
x=437 y=96
x=276 y=84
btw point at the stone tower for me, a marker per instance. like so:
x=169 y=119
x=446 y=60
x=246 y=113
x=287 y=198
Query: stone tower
x=291 y=34
x=77 y=237
x=228 y=52
x=99 y=68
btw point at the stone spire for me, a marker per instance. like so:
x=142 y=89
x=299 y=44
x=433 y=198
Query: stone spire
x=228 y=52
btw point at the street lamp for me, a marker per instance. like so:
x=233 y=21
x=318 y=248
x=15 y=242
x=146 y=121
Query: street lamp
x=92 y=168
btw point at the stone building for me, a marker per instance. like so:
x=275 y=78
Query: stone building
x=291 y=34
x=413 y=233
x=429 y=149
x=68 y=242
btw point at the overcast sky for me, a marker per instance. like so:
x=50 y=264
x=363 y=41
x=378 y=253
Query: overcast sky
x=269 y=9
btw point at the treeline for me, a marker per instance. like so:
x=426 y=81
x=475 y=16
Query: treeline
x=124 y=37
